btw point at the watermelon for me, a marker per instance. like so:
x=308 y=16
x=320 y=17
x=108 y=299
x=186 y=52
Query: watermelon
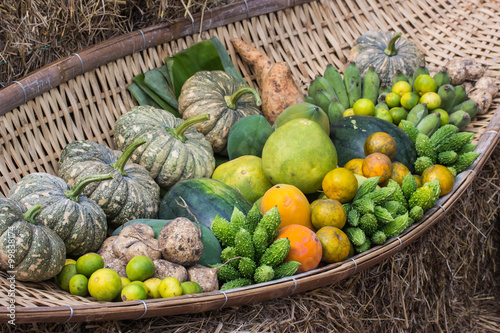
x=205 y=198
x=349 y=134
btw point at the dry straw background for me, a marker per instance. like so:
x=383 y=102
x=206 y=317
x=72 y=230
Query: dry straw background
x=447 y=281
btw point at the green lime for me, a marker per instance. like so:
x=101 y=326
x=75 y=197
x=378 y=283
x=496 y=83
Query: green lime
x=142 y=284
x=364 y=107
x=401 y=88
x=393 y=100
x=125 y=281
x=78 y=285
x=104 y=284
x=89 y=263
x=432 y=99
x=424 y=84
x=133 y=292
x=383 y=114
x=139 y=268
x=409 y=100
x=170 y=287
x=65 y=275
x=190 y=287
x=70 y=261
x=348 y=112
x=398 y=114
x=445 y=117
x=153 y=284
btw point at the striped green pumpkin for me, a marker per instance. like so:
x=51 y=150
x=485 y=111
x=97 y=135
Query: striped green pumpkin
x=33 y=251
x=131 y=194
x=387 y=52
x=79 y=221
x=223 y=98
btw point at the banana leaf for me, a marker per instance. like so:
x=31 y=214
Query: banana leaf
x=157 y=82
x=139 y=80
x=141 y=97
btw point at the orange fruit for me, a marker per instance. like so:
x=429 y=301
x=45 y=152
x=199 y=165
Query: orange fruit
x=305 y=246
x=432 y=99
x=401 y=88
x=399 y=171
x=328 y=212
x=364 y=107
x=292 y=204
x=424 y=84
x=355 y=165
x=377 y=165
x=380 y=142
x=335 y=245
x=445 y=177
x=340 y=184
x=393 y=99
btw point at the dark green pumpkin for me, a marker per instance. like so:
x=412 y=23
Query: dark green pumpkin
x=175 y=150
x=35 y=252
x=79 y=221
x=211 y=246
x=349 y=135
x=205 y=199
x=248 y=136
x=225 y=99
x=131 y=194
x=387 y=52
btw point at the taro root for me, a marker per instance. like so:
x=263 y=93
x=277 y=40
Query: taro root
x=106 y=250
x=180 y=242
x=135 y=240
x=119 y=266
x=483 y=98
x=204 y=276
x=165 y=268
x=487 y=83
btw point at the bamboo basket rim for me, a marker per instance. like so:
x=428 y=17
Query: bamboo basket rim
x=80 y=309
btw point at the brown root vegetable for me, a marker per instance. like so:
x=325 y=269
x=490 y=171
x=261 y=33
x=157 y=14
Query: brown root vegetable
x=278 y=87
x=165 y=268
x=204 y=276
x=483 y=98
x=474 y=71
x=487 y=83
x=457 y=71
x=119 y=266
x=106 y=250
x=468 y=86
x=180 y=242
x=134 y=240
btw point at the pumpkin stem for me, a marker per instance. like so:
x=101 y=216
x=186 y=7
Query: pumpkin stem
x=232 y=101
x=74 y=193
x=391 y=50
x=119 y=165
x=178 y=132
x=30 y=214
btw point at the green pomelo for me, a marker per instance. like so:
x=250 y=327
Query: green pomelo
x=299 y=153
x=244 y=174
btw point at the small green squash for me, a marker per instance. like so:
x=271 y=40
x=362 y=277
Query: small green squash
x=35 y=252
x=248 y=136
x=224 y=98
x=175 y=149
x=131 y=194
x=79 y=221
x=387 y=52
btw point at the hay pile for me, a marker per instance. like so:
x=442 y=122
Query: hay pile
x=445 y=281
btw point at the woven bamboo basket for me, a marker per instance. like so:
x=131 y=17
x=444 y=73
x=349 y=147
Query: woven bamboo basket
x=80 y=97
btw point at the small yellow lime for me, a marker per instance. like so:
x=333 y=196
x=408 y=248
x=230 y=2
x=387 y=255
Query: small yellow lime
x=401 y=88
x=424 y=84
x=364 y=107
x=78 y=285
x=152 y=284
x=348 y=112
x=432 y=99
x=393 y=100
x=398 y=114
x=89 y=263
x=190 y=287
x=445 y=117
x=409 y=100
x=104 y=284
x=170 y=287
x=142 y=284
x=70 y=261
x=383 y=114
x=133 y=292
x=65 y=275
x=139 y=268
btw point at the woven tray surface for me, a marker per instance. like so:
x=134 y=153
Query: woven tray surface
x=307 y=35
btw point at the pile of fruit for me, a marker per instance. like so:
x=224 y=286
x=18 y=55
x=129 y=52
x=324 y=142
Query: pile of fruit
x=215 y=186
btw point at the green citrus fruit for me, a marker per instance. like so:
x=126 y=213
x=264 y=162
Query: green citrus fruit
x=78 y=285
x=409 y=100
x=348 y=112
x=432 y=99
x=170 y=287
x=142 y=284
x=190 y=287
x=424 y=84
x=381 y=105
x=65 y=275
x=393 y=100
x=133 y=292
x=152 y=284
x=383 y=114
x=70 y=261
x=401 y=88
x=89 y=263
x=445 y=117
x=364 y=107
x=139 y=268
x=398 y=114
x=104 y=284
x=125 y=281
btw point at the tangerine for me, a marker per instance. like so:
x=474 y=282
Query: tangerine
x=380 y=142
x=328 y=212
x=355 y=165
x=445 y=177
x=398 y=172
x=377 y=165
x=335 y=245
x=340 y=184
x=305 y=246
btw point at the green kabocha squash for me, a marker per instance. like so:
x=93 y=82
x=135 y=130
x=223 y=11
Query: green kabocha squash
x=35 y=252
x=79 y=221
x=175 y=149
x=224 y=98
x=387 y=52
x=131 y=194
x=248 y=136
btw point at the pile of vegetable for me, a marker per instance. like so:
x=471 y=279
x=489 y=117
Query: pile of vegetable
x=215 y=185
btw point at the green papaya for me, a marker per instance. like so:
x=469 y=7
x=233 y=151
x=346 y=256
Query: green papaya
x=248 y=136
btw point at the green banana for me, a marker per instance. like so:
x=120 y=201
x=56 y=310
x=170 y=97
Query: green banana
x=384 y=89
x=335 y=79
x=429 y=124
x=322 y=99
x=442 y=77
x=460 y=94
x=313 y=88
x=410 y=78
x=323 y=83
x=371 y=84
x=461 y=119
x=417 y=113
x=309 y=99
x=335 y=111
x=352 y=82
x=470 y=106
x=398 y=76
x=447 y=94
